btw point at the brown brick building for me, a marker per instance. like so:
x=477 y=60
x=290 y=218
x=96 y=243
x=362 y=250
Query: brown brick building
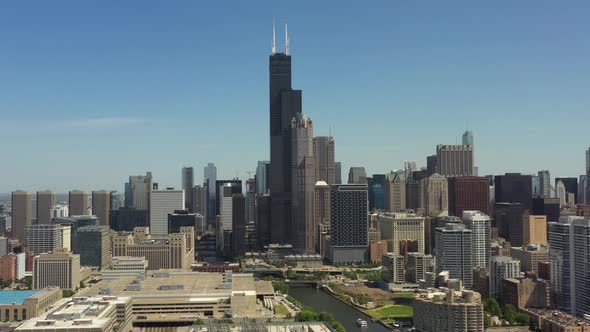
x=469 y=193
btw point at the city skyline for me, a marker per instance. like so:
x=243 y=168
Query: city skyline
x=102 y=122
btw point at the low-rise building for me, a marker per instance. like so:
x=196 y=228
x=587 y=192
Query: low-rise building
x=181 y=297
x=530 y=256
x=557 y=321
x=84 y=314
x=446 y=310
x=216 y=267
x=16 y=306
x=525 y=293
x=125 y=266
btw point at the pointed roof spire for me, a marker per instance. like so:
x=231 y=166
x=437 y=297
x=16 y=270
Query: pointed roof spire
x=273 y=49
x=286 y=40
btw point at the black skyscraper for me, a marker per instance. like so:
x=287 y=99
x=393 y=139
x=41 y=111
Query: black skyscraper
x=285 y=103
x=514 y=188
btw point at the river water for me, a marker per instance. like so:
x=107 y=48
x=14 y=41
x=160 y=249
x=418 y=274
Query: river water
x=321 y=301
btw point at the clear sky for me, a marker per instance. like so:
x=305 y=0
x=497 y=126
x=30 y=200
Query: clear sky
x=92 y=92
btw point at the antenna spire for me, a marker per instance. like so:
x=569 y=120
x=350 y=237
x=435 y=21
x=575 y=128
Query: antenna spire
x=273 y=49
x=286 y=40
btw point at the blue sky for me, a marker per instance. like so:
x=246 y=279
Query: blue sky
x=91 y=92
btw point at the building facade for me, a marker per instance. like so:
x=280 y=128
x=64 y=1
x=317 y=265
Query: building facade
x=163 y=202
x=96 y=248
x=323 y=151
x=138 y=191
x=534 y=229
x=45 y=202
x=357 y=175
x=169 y=251
x=455 y=160
x=349 y=223
x=569 y=254
x=469 y=193
x=101 y=205
x=303 y=167
x=434 y=194
x=395 y=191
x=57 y=269
x=502 y=267
x=21 y=214
x=78 y=203
x=445 y=310
x=48 y=237
x=514 y=188
x=188 y=182
x=284 y=104
x=454 y=252
x=399 y=228
x=481 y=226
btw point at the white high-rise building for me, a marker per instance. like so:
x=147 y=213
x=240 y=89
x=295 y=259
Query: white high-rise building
x=561 y=193
x=60 y=211
x=502 y=267
x=453 y=252
x=480 y=224
x=21 y=262
x=569 y=254
x=162 y=203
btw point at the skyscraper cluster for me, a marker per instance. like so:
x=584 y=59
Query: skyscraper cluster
x=441 y=225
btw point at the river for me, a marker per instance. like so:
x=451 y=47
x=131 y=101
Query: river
x=321 y=301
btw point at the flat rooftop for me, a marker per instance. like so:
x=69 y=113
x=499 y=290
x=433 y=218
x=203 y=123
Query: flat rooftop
x=75 y=313
x=178 y=284
x=18 y=297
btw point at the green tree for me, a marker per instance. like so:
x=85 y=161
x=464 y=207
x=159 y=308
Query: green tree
x=492 y=306
x=28 y=280
x=67 y=293
x=199 y=321
x=509 y=313
x=290 y=274
x=522 y=319
x=281 y=287
x=487 y=321
x=306 y=316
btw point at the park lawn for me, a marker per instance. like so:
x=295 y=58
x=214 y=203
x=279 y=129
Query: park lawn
x=383 y=303
x=392 y=311
x=281 y=309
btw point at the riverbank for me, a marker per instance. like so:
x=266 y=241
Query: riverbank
x=381 y=306
x=320 y=300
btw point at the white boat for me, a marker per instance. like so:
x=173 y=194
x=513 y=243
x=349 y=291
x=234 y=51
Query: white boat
x=361 y=322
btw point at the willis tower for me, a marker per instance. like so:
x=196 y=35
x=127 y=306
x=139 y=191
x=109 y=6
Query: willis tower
x=285 y=103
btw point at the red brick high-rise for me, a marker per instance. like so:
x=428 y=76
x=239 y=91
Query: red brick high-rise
x=469 y=193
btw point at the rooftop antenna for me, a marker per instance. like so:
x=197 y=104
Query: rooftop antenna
x=286 y=40
x=274 y=44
